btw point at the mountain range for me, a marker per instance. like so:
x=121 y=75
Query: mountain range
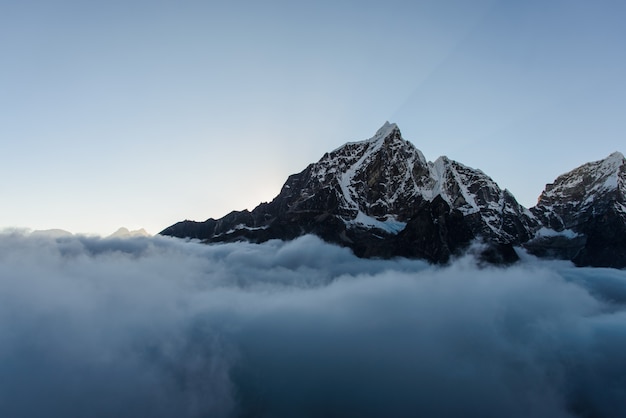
x=381 y=198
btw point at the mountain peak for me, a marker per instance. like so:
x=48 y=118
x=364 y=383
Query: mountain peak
x=583 y=192
x=612 y=162
x=51 y=233
x=388 y=135
x=124 y=232
x=583 y=213
x=593 y=177
x=389 y=132
x=370 y=176
x=386 y=130
x=381 y=198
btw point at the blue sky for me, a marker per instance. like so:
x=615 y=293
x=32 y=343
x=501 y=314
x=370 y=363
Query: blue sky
x=143 y=113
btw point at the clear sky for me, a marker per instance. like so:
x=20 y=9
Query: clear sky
x=143 y=113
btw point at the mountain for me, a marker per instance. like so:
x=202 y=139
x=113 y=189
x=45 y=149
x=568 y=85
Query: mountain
x=583 y=215
x=382 y=198
x=51 y=233
x=126 y=233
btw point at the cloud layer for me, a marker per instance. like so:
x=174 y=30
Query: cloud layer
x=161 y=327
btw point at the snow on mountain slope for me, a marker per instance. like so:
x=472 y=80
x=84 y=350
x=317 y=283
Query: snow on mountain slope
x=382 y=181
x=382 y=198
x=586 y=191
x=583 y=215
x=496 y=212
x=377 y=180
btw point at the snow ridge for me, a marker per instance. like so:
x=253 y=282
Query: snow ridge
x=584 y=191
x=381 y=198
x=380 y=179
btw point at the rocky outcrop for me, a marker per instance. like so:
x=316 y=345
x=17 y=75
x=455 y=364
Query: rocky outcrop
x=583 y=214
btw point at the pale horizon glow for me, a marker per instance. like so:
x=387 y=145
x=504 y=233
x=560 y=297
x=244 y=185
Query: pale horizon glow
x=141 y=114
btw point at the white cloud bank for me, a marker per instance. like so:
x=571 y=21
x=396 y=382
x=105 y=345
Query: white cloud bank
x=163 y=328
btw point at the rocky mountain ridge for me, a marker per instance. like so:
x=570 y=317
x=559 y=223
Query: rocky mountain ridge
x=583 y=215
x=382 y=198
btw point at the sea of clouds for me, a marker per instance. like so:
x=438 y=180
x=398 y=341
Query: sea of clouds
x=161 y=327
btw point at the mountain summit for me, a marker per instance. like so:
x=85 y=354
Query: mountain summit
x=382 y=198
x=584 y=192
x=583 y=215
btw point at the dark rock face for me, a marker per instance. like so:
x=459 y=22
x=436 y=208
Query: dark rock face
x=381 y=198
x=491 y=213
x=605 y=245
x=583 y=214
x=434 y=233
x=577 y=196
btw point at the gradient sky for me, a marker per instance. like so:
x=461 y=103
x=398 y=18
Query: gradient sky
x=143 y=113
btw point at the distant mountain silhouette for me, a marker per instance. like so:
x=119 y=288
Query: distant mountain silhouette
x=126 y=233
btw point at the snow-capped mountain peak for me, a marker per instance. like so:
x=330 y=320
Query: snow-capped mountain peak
x=497 y=214
x=584 y=191
x=381 y=134
x=372 y=177
x=381 y=183
x=583 y=214
x=124 y=232
x=382 y=198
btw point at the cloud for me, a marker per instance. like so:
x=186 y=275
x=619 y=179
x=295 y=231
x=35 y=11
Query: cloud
x=162 y=327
